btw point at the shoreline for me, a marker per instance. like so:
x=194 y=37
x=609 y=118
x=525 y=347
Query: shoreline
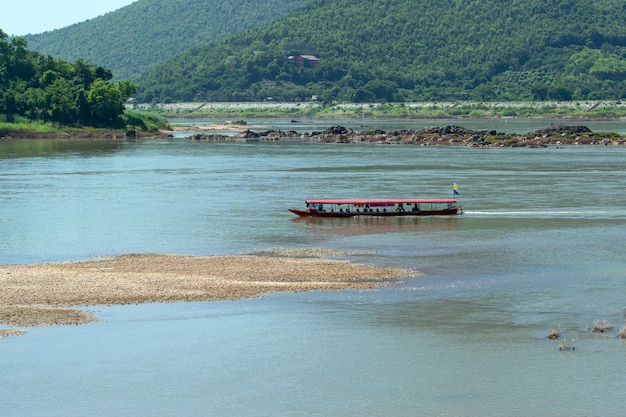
x=239 y=112
x=81 y=135
x=47 y=294
x=431 y=136
x=435 y=135
x=374 y=116
x=449 y=109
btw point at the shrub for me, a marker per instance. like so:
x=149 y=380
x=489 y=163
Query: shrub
x=601 y=326
x=554 y=334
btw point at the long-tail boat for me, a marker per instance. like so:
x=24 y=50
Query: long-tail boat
x=381 y=207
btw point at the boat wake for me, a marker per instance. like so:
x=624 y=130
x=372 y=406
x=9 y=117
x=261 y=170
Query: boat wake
x=572 y=214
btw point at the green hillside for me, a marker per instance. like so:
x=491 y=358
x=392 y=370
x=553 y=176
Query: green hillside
x=395 y=50
x=134 y=38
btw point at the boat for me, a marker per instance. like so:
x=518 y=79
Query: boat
x=379 y=207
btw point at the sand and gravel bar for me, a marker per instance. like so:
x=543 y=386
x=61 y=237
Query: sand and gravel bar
x=47 y=294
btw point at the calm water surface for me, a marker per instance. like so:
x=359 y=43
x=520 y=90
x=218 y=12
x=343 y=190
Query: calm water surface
x=540 y=245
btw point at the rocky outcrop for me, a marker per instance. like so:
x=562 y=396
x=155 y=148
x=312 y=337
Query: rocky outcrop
x=248 y=134
x=338 y=130
x=437 y=135
x=562 y=130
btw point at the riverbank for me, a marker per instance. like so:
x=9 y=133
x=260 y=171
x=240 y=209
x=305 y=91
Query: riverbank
x=82 y=134
x=45 y=294
x=132 y=124
x=147 y=121
x=424 y=110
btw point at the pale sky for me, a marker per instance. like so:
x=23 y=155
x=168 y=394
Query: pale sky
x=21 y=17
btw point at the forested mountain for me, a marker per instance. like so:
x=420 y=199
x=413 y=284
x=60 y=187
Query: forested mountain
x=394 y=50
x=132 y=39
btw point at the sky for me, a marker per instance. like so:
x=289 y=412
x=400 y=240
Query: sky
x=22 y=17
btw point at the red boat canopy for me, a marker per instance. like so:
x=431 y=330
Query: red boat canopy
x=373 y=202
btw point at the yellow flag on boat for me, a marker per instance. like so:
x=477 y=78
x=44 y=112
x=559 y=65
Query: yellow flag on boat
x=455 y=188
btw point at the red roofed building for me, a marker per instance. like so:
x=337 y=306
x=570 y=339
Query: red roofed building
x=309 y=61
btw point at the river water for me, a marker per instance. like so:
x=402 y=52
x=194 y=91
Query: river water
x=540 y=245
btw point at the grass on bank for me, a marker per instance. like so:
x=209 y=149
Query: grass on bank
x=142 y=121
x=26 y=126
x=146 y=121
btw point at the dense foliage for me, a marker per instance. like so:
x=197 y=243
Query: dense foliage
x=42 y=88
x=411 y=50
x=134 y=38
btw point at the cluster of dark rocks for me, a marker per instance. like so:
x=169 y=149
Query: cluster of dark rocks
x=435 y=135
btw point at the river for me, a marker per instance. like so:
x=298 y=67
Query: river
x=539 y=246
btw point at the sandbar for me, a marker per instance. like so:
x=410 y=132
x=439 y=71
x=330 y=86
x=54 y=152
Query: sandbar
x=219 y=127
x=47 y=294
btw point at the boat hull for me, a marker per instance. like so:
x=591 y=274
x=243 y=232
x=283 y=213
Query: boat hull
x=315 y=213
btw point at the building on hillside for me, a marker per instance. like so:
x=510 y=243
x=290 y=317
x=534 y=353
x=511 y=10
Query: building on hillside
x=309 y=61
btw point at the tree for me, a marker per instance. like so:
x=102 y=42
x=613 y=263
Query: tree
x=539 y=92
x=42 y=88
x=559 y=94
x=105 y=100
x=127 y=89
x=376 y=91
x=60 y=104
x=363 y=95
x=483 y=93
